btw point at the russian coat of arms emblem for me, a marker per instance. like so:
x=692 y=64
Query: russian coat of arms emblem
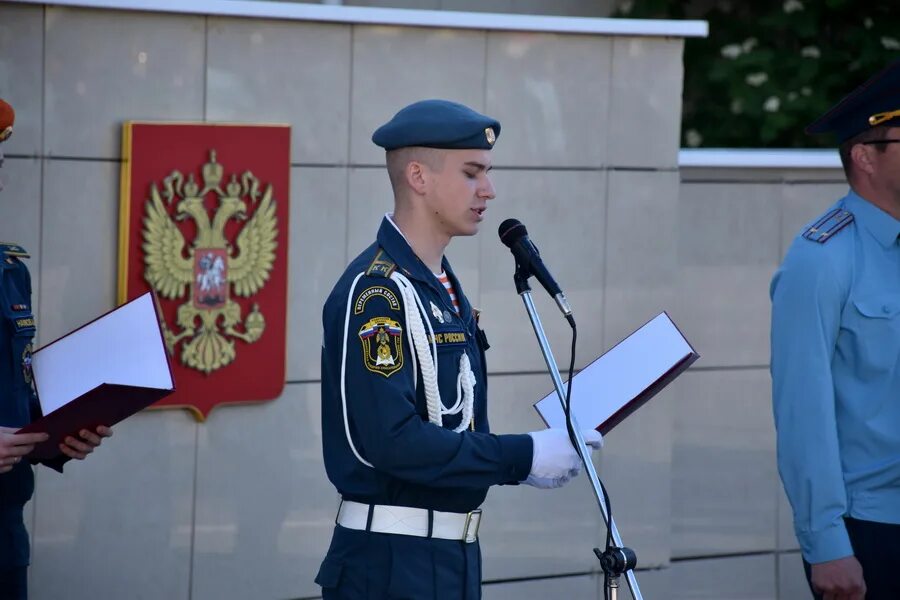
x=209 y=320
x=208 y=238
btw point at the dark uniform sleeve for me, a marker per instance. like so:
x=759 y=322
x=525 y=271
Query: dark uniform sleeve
x=382 y=423
x=34 y=405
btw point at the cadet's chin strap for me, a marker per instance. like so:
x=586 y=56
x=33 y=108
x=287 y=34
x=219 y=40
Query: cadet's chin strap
x=465 y=381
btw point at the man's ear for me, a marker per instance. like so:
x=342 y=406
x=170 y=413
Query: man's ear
x=416 y=176
x=862 y=158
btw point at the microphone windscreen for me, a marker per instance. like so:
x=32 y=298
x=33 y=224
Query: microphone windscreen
x=511 y=231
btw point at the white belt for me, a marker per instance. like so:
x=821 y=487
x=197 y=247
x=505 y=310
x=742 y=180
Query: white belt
x=404 y=520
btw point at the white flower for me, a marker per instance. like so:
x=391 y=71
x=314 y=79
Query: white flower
x=756 y=79
x=772 y=104
x=693 y=138
x=792 y=96
x=737 y=106
x=867 y=23
x=890 y=43
x=749 y=44
x=810 y=52
x=731 y=51
x=806 y=91
x=792 y=6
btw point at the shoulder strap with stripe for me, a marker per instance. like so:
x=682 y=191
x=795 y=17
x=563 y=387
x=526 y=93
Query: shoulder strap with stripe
x=826 y=227
x=12 y=249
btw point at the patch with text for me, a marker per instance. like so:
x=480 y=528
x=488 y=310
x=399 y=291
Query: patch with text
x=382 y=344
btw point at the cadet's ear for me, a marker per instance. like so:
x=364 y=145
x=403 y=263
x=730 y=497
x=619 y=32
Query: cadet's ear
x=415 y=176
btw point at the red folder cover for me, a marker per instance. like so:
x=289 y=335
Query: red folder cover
x=100 y=374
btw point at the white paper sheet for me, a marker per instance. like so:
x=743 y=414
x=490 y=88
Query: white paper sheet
x=124 y=346
x=620 y=375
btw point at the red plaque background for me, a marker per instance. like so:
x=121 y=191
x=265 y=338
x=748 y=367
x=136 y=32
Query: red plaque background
x=151 y=152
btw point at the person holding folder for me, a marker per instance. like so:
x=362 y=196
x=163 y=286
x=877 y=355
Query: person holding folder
x=405 y=434
x=19 y=406
x=836 y=359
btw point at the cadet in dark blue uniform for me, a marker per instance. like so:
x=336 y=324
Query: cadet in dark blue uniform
x=836 y=360
x=404 y=386
x=19 y=406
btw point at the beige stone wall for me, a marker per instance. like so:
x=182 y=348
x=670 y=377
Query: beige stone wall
x=239 y=506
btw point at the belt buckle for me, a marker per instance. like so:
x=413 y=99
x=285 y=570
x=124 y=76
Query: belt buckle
x=473 y=522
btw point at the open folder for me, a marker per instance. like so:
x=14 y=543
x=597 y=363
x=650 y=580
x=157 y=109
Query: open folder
x=99 y=374
x=622 y=379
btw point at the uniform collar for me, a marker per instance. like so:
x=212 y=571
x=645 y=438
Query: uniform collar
x=881 y=225
x=396 y=245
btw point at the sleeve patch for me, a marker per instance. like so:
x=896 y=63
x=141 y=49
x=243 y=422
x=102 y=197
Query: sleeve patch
x=378 y=290
x=25 y=323
x=824 y=229
x=382 y=344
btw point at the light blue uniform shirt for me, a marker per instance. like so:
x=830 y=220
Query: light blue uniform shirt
x=836 y=378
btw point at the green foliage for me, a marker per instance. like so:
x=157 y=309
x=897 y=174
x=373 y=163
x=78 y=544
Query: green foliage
x=770 y=67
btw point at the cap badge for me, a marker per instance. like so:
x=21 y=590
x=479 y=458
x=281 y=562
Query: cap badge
x=879 y=118
x=489 y=134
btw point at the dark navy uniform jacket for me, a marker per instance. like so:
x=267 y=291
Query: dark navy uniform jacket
x=378 y=445
x=18 y=403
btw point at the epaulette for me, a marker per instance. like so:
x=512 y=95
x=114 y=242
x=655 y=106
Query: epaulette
x=824 y=229
x=10 y=249
x=381 y=266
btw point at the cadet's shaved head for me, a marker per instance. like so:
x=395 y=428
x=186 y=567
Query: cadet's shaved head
x=397 y=160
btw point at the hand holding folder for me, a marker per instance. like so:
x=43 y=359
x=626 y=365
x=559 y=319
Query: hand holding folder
x=98 y=375
x=14 y=445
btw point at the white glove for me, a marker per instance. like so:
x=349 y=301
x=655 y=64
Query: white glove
x=554 y=461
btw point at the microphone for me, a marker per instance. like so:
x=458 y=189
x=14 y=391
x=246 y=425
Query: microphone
x=515 y=237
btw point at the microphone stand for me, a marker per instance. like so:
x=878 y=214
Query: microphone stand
x=618 y=559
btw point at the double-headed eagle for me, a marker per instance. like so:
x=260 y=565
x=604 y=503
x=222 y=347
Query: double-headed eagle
x=211 y=263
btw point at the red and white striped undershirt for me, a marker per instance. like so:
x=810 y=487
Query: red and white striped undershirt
x=445 y=281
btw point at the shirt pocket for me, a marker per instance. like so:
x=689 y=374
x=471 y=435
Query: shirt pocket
x=452 y=340
x=875 y=327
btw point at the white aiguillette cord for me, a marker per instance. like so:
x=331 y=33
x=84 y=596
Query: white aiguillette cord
x=465 y=381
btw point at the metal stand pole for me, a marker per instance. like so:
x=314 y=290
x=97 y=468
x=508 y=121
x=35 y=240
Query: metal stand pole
x=525 y=291
x=614 y=588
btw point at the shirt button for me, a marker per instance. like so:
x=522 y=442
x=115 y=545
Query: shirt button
x=885 y=309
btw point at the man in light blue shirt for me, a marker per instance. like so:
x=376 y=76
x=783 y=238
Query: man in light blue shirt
x=836 y=359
